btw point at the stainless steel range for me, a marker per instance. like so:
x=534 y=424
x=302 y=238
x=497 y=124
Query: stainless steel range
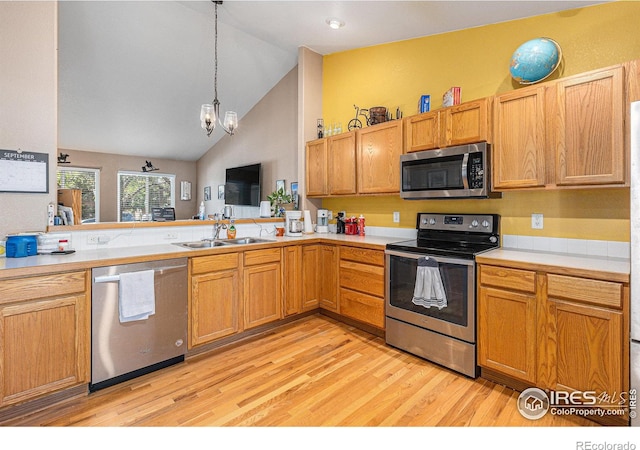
x=431 y=288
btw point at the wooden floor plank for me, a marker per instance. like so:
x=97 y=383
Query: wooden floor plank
x=312 y=372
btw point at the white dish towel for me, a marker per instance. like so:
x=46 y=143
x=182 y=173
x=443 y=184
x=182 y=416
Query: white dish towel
x=429 y=290
x=136 y=296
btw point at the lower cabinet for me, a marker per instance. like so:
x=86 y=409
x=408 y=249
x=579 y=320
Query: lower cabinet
x=555 y=331
x=44 y=335
x=328 y=283
x=319 y=277
x=362 y=285
x=262 y=290
x=214 y=305
x=292 y=280
x=586 y=338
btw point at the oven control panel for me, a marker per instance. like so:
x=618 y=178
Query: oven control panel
x=481 y=223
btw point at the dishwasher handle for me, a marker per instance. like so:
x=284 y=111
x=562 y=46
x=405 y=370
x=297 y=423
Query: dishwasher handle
x=159 y=270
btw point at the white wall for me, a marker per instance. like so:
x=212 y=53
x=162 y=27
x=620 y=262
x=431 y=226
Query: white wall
x=267 y=134
x=28 y=103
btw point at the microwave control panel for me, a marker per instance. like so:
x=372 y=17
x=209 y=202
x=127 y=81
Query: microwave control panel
x=475 y=171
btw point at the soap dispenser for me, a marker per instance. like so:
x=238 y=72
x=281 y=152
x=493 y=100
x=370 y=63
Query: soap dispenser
x=201 y=211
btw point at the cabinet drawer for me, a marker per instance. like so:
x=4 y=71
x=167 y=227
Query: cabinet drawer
x=214 y=263
x=597 y=292
x=362 y=277
x=253 y=257
x=32 y=288
x=362 y=307
x=362 y=255
x=503 y=277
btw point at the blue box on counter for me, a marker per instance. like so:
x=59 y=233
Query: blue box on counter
x=425 y=103
x=21 y=246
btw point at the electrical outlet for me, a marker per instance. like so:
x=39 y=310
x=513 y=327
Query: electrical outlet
x=171 y=236
x=98 y=239
x=396 y=216
x=537 y=221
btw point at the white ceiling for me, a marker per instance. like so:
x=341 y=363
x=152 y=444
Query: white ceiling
x=133 y=74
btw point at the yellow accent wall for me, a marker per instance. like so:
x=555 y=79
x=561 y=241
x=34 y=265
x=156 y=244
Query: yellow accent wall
x=477 y=59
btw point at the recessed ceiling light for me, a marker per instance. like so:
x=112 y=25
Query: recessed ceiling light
x=335 y=23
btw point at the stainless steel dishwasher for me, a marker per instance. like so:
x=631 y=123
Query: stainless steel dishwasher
x=121 y=351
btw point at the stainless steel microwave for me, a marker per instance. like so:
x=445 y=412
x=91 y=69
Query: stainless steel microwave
x=453 y=172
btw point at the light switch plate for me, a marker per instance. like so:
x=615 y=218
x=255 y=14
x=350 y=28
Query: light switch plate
x=537 y=221
x=396 y=216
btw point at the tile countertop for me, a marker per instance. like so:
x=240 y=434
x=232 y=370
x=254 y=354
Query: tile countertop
x=80 y=260
x=615 y=269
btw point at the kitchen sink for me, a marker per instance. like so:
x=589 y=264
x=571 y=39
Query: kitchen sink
x=199 y=244
x=247 y=240
x=222 y=242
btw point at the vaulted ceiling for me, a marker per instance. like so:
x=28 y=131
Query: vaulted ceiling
x=133 y=74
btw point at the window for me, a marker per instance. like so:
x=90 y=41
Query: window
x=138 y=193
x=88 y=181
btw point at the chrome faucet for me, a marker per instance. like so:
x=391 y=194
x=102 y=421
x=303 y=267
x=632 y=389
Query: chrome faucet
x=217 y=226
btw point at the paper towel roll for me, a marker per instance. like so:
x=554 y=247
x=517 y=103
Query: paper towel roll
x=265 y=208
x=308 y=225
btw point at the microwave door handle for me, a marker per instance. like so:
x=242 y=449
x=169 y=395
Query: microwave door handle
x=465 y=179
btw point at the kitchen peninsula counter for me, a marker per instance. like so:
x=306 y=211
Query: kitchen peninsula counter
x=87 y=259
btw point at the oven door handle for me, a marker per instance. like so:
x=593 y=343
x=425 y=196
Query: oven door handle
x=462 y=262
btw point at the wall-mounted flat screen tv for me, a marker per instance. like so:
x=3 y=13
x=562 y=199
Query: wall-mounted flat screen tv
x=242 y=186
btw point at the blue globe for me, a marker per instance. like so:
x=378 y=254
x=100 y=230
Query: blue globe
x=535 y=60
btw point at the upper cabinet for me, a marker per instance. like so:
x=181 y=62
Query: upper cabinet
x=316 y=152
x=456 y=125
x=363 y=161
x=422 y=132
x=588 y=128
x=342 y=163
x=379 y=149
x=519 y=139
x=564 y=133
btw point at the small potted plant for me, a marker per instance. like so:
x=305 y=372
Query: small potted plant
x=278 y=199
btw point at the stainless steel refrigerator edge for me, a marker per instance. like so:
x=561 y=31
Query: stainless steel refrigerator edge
x=635 y=253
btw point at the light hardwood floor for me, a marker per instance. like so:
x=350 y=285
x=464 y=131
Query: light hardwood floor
x=312 y=372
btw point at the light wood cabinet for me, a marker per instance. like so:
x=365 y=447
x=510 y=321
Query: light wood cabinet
x=589 y=128
x=422 y=132
x=563 y=133
x=328 y=277
x=507 y=321
x=361 y=278
x=342 y=164
x=214 y=305
x=519 y=139
x=466 y=123
x=310 y=278
x=316 y=168
x=44 y=335
x=262 y=279
x=292 y=280
x=585 y=342
x=555 y=331
x=378 y=166
x=319 y=277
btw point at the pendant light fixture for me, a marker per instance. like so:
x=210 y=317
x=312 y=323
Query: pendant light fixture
x=210 y=113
